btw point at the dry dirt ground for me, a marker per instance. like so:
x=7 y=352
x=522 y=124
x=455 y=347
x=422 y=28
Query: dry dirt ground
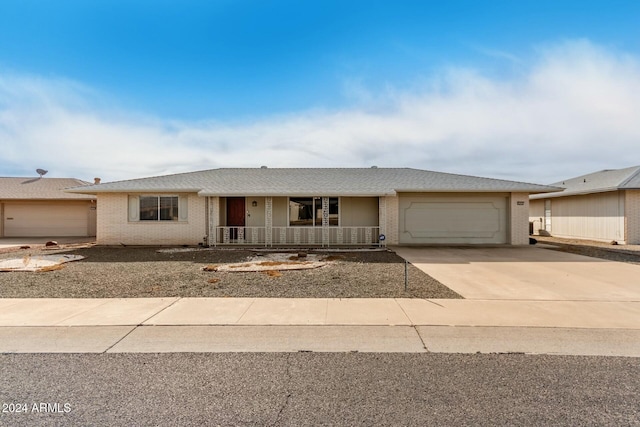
x=132 y=272
x=603 y=250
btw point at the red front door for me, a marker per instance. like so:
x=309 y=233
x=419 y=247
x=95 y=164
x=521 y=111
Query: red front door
x=235 y=215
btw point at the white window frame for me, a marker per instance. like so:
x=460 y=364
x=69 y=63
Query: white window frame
x=134 y=209
x=314 y=219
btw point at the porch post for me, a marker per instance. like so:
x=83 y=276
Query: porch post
x=268 y=221
x=325 y=221
x=214 y=220
x=382 y=218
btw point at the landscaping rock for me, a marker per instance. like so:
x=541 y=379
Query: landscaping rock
x=142 y=272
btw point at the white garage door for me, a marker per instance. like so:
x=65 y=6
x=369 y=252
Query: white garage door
x=46 y=219
x=443 y=219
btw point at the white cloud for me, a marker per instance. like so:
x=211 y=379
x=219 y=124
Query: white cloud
x=573 y=110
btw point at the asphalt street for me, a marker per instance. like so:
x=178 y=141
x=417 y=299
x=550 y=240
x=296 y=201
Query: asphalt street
x=281 y=389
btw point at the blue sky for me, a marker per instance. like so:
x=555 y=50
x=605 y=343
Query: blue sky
x=524 y=90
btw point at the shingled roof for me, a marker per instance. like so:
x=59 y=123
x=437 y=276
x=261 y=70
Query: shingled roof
x=40 y=189
x=597 y=182
x=313 y=181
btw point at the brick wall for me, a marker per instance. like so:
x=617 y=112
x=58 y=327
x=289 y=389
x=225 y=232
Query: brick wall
x=519 y=218
x=391 y=204
x=632 y=217
x=114 y=227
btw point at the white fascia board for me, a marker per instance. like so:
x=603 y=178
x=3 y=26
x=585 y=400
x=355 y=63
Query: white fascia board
x=475 y=190
x=66 y=199
x=135 y=190
x=571 y=193
x=79 y=191
x=296 y=194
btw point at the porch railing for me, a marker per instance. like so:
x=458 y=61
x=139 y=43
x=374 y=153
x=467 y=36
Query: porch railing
x=297 y=236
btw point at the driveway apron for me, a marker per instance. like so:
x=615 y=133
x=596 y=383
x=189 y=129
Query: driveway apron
x=526 y=273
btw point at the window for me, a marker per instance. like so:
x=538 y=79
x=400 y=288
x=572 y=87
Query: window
x=333 y=211
x=158 y=208
x=307 y=211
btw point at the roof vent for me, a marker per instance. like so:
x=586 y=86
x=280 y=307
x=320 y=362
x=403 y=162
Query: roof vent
x=263 y=167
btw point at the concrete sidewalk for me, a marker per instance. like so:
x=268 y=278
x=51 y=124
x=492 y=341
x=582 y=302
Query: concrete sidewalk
x=370 y=325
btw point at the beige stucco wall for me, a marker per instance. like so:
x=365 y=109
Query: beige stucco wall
x=593 y=216
x=632 y=223
x=222 y=210
x=519 y=218
x=114 y=227
x=536 y=214
x=280 y=212
x=354 y=211
x=359 y=211
x=255 y=214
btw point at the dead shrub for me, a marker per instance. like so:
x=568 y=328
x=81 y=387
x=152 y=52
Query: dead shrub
x=51 y=268
x=273 y=273
x=240 y=266
x=211 y=267
x=213 y=280
x=276 y=263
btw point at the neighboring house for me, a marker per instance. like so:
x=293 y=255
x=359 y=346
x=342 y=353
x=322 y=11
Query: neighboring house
x=601 y=206
x=39 y=207
x=327 y=207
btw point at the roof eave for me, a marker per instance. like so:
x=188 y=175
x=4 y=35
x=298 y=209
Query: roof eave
x=78 y=191
x=295 y=194
x=632 y=176
x=87 y=197
x=476 y=190
x=572 y=193
x=96 y=191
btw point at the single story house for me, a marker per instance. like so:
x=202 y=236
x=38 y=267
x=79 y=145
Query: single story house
x=602 y=206
x=39 y=207
x=324 y=207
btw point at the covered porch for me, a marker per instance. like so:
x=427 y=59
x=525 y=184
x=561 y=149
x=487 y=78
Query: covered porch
x=322 y=221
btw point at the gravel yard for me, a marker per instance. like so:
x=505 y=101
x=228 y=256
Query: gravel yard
x=131 y=272
x=137 y=272
x=621 y=253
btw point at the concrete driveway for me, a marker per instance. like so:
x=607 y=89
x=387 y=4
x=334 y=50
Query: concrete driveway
x=526 y=273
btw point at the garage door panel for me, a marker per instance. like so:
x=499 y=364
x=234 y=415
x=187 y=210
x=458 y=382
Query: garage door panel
x=458 y=219
x=41 y=220
x=453 y=220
